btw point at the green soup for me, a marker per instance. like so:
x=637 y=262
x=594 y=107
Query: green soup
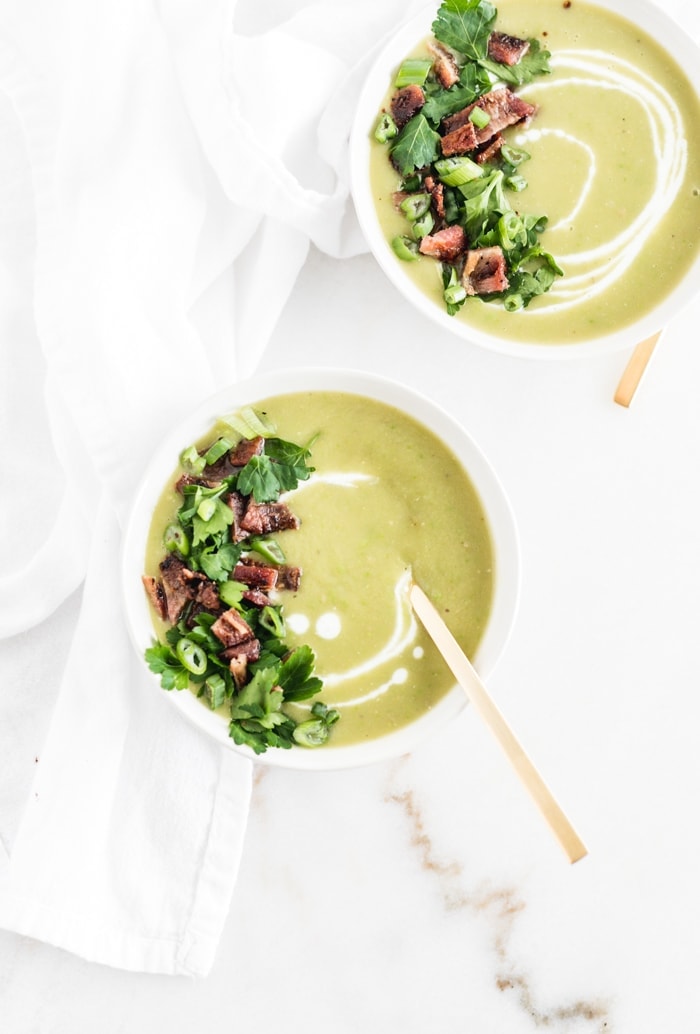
x=614 y=165
x=388 y=500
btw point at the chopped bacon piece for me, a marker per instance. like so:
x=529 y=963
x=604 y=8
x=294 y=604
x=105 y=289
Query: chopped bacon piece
x=505 y=49
x=257 y=576
x=257 y=597
x=437 y=195
x=406 y=103
x=459 y=140
x=231 y=628
x=237 y=502
x=245 y=450
x=195 y=479
x=263 y=518
x=444 y=244
x=445 y=66
x=156 y=595
x=503 y=107
x=182 y=586
x=289 y=577
x=250 y=649
x=485 y=271
x=490 y=150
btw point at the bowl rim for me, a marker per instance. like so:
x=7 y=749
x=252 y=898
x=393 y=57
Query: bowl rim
x=505 y=541
x=657 y=23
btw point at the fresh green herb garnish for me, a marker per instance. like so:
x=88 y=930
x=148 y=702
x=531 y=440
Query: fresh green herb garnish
x=254 y=685
x=416 y=145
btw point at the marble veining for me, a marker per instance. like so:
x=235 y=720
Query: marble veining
x=500 y=907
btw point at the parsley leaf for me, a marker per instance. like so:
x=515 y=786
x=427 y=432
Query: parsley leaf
x=220 y=519
x=465 y=25
x=162 y=661
x=258 y=478
x=256 y=716
x=217 y=563
x=295 y=675
x=290 y=461
x=416 y=145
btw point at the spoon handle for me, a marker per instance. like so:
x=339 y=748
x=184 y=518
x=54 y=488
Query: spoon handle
x=479 y=697
x=634 y=371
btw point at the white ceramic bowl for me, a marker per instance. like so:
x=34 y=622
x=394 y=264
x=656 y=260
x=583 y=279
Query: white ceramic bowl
x=493 y=498
x=657 y=24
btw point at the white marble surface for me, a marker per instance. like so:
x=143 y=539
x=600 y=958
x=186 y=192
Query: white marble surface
x=427 y=894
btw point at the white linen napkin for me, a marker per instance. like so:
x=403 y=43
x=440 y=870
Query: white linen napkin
x=163 y=176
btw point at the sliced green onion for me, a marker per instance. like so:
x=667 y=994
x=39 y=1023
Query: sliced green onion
x=514 y=155
x=479 y=117
x=513 y=302
x=516 y=183
x=454 y=294
x=175 y=540
x=220 y=447
x=191 y=656
x=423 y=226
x=405 y=249
x=413 y=70
x=249 y=423
x=386 y=128
x=511 y=230
x=268 y=549
x=206 y=508
x=311 y=733
x=191 y=461
x=415 y=206
x=272 y=620
x=457 y=170
x=214 y=691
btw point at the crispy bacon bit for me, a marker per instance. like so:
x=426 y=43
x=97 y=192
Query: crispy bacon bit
x=445 y=244
x=406 y=103
x=156 y=595
x=257 y=576
x=445 y=66
x=194 y=479
x=485 y=271
x=181 y=586
x=249 y=648
x=437 y=195
x=257 y=597
x=238 y=666
x=459 y=140
x=490 y=150
x=289 y=577
x=245 y=450
x=237 y=502
x=231 y=628
x=503 y=107
x=263 y=518
x=505 y=49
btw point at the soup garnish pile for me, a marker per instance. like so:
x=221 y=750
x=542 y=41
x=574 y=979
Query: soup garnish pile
x=226 y=633
x=444 y=128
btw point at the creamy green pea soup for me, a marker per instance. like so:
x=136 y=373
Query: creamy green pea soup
x=388 y=501
x=614 y=165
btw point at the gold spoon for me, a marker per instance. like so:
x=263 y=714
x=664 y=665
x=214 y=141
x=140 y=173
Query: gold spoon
x=634 y=371
x=479 y=697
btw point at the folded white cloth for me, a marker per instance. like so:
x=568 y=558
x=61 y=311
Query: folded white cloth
x=163 y=175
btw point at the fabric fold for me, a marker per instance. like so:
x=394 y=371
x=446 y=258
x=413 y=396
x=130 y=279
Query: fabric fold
x=171 y=221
